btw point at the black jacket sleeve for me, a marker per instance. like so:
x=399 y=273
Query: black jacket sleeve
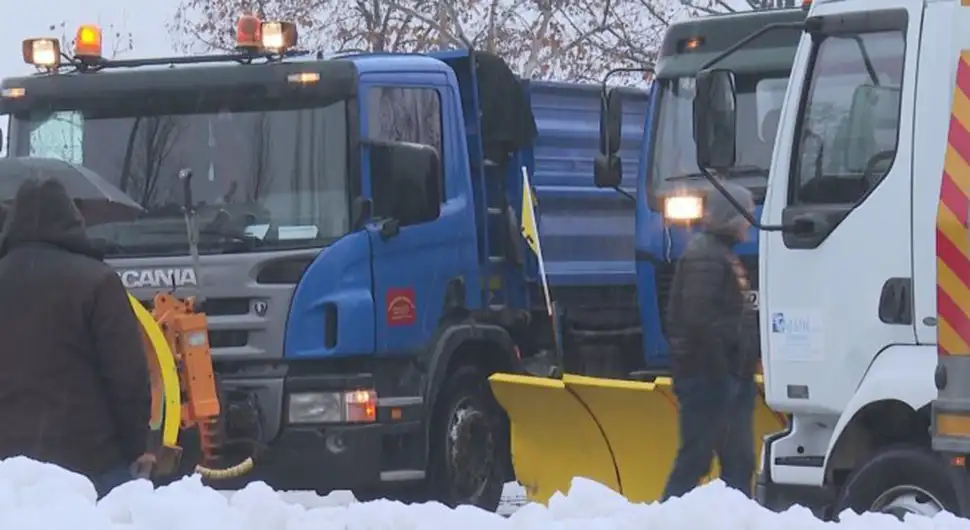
x=120 y=353
x=701 y=281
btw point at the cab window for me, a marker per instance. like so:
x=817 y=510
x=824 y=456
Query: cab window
x=409 y=115
x=849 y=122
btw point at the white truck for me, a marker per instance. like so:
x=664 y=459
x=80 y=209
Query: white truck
x=865 y=259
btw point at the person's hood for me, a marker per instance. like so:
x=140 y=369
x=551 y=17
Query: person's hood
x=42 y=212
x=720 y=215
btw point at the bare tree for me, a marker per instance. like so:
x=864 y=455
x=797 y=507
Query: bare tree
x=544 y=39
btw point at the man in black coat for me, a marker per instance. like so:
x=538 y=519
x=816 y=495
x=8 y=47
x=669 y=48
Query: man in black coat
x=74 y=387
x=713 y=336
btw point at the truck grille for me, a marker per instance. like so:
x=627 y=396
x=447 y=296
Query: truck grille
x=217 y=307
x=664 y=277
x=226 y=338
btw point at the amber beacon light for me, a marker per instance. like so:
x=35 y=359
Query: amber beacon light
x=254 y=35
x=87 y=43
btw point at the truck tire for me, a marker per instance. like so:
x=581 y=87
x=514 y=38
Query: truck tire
x=468 y=437
x=898 y=480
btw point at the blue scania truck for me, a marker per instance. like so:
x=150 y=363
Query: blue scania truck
x=361 y=262
x=669 y=185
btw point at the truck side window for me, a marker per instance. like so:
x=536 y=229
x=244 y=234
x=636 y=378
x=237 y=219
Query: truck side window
x=849 y=123
x=411 y=115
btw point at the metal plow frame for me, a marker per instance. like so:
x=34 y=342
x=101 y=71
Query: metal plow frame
x=620 y=433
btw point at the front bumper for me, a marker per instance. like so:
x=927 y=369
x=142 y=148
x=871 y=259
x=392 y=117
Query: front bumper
x=320 y=457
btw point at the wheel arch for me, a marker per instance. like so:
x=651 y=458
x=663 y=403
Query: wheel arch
x=889 y=406
x=488 y=347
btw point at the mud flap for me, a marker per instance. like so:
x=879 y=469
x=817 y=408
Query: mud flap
x=620 y=433
x=554 y=437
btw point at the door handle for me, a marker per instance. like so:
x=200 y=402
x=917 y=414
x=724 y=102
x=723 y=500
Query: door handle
x=895 y=302
x=804 y=225
x=388 y=228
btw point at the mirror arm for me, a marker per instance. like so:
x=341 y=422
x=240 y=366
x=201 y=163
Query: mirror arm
x=624 y=193
x=741 y=209
x=798 y=26
x=605 y=91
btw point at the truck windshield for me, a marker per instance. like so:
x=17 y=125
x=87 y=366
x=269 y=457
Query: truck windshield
x=262 y=179
x=759 y=100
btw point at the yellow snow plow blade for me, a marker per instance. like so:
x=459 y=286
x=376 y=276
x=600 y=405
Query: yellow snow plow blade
x=620 y=433
x=554 y=436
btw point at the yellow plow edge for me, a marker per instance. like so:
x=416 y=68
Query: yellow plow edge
x=620 y=433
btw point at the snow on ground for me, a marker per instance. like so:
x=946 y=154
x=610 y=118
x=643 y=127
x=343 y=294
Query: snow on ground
x=35 y=496
x=513 y=498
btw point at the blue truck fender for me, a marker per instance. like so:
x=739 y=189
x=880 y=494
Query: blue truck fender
x=500 y=356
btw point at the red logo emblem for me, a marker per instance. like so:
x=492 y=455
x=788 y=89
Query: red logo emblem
x=401 y=309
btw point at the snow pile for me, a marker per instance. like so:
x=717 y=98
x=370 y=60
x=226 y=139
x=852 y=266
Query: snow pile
x=35 y=496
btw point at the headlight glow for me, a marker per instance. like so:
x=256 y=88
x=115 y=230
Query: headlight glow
x=683 y=208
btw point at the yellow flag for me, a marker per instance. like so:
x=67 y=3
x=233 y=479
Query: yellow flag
x=531 y=234
x=529 y=229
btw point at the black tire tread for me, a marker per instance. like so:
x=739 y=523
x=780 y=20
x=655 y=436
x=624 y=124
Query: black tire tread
x=893 y=466
x=463 y=381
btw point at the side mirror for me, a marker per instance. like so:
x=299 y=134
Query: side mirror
x=611 y=122
x=406 y=182
x=715 y=119
x=607 y=171
x=607 y=167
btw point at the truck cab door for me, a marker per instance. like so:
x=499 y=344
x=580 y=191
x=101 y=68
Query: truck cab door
x=940 y=129
x=838 y=294
x=417 y=249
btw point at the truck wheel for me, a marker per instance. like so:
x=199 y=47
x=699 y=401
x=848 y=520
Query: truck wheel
x=468 y=439
x=899 y=480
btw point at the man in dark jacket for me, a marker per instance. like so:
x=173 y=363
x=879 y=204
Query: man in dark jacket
x=713 y=349
x=74 y=388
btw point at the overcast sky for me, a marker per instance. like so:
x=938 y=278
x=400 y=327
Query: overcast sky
x=146 y=20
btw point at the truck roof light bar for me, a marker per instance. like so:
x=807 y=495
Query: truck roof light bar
x=255 y=40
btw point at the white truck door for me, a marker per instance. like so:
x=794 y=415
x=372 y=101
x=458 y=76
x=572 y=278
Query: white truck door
x=941 y=145
x=843 y=163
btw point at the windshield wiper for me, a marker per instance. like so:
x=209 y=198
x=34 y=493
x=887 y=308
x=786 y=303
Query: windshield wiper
x=107 y=246
x=244 y=240
x=685 y=176
x=232 y=235
x=743 y=171
x=736 y=171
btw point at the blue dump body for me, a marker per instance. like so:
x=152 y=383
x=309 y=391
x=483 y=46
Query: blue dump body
x=587 y=233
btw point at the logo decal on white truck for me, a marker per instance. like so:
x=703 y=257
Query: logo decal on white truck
x=798 y=335
x=157 y=278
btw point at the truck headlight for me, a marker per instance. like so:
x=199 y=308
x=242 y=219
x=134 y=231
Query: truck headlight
x=683 y=208
x=355 y=406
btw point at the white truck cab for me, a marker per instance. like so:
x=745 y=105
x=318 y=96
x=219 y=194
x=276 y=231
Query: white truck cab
x=873 y=132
